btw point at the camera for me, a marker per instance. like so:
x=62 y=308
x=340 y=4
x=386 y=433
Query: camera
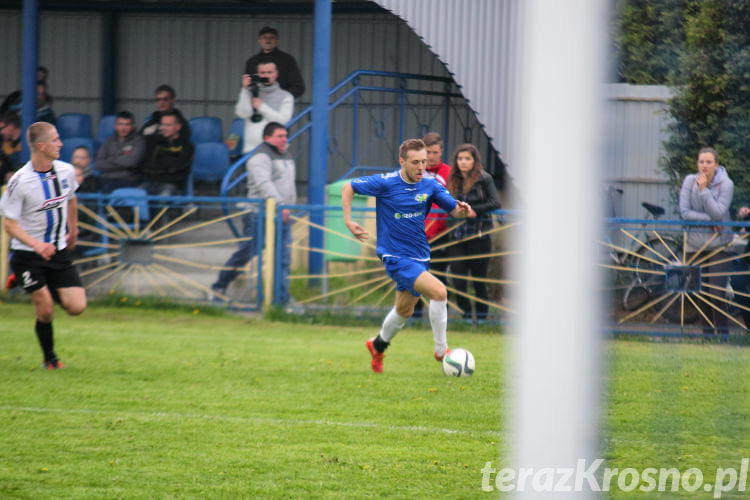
x=255 y=81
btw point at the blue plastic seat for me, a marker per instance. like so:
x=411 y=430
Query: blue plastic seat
x=210 y=163
x=106 y=130
x=131 y=197
x=205 y=129
x=237 y=129
x=73 y=125
x=70 y=144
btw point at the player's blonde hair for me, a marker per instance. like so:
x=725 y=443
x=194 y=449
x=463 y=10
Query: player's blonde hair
x=38 y=132
x=410 y=145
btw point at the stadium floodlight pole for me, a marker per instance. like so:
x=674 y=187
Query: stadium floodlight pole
x=318 y=175
x=556 y=343
x=28 y=70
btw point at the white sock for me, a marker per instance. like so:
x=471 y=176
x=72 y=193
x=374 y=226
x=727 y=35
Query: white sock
x=391 y=325
x=439 y=324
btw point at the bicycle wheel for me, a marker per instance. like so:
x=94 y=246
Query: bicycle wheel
x=645 y=286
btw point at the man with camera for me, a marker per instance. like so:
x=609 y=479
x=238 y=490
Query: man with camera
x=262 y=101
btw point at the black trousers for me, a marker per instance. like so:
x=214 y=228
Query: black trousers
x=476 y=268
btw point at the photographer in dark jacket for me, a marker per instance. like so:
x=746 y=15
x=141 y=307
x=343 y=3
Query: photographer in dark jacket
x=169 y=157
x=470 y=183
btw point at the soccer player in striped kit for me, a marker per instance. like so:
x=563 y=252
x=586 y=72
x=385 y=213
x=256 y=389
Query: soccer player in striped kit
x=40 y=213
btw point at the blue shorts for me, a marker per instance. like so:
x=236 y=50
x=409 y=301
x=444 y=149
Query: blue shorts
x=405 y=272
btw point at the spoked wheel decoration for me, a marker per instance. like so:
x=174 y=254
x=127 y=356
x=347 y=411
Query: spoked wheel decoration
x=155 y=256
x=659 y=279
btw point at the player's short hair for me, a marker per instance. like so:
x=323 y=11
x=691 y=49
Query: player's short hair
x=38 y=132
x=410 y=145
x=432 y=138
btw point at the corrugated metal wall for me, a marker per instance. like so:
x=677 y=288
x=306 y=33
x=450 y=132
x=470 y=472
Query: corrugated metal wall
x=636 y=129
x=477 y=42
x=69 y=46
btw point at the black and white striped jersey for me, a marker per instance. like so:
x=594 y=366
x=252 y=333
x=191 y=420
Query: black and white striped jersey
x=38 y=201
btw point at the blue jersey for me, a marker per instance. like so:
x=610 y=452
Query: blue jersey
x=401 y=209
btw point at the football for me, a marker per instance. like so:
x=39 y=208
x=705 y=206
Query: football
x=458 y=363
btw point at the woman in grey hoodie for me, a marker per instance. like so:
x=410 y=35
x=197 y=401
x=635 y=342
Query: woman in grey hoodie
x=706 y=196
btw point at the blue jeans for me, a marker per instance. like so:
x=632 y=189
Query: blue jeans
x=242 y=256
x=248 y=250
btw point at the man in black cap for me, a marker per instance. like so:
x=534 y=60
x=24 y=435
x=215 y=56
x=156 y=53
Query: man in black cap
x=290 y=77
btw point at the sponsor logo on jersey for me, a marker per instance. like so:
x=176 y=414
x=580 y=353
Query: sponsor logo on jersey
x=52 y=203
x=64 y=183
x=407 y=216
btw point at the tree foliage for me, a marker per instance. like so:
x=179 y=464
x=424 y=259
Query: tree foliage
x=710 y=107
x=701 y=48
x=649 y=37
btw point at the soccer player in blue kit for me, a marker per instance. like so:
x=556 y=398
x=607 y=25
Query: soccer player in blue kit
x=404 y=199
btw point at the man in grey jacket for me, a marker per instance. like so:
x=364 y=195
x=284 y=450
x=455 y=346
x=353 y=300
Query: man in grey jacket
x=119 y=159
x=270 y=174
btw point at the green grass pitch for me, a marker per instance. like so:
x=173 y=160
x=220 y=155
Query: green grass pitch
x=171 y=404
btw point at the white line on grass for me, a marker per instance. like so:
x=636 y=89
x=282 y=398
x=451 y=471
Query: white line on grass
x=263 y=420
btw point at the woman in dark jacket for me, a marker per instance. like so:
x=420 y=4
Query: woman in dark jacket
x=470 y=183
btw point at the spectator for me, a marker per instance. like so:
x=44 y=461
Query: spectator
x=270 y=174
x=261 y=104
x=168 y=160
x=12 y=101
x=42 y=73
x=470 y=183
x=706 y=196
x=44 y=111
x=81 y=161
x=290 y=77
x=87 y=183
x=120 y=157
x=10 y=155
x=435 y=222
x=165 y=99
